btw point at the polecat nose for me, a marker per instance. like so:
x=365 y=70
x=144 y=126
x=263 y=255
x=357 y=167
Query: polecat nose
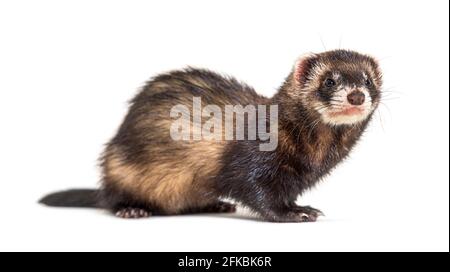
x=356 y=98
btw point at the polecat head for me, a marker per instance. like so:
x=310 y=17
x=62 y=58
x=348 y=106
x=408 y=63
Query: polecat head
x=343 y=87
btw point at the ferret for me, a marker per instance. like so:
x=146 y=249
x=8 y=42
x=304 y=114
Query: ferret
x=324 y=105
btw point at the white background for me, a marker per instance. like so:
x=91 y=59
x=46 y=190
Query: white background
x=67 y=69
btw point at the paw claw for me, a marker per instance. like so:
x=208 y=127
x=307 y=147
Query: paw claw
x=307 y=213
x=132 y=213
x=304 y=216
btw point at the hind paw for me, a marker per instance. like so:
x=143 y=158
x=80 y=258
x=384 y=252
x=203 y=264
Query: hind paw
x=132 y=213
x=222 y=207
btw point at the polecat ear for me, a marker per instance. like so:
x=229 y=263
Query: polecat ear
x=377 y=74
x=303 y=65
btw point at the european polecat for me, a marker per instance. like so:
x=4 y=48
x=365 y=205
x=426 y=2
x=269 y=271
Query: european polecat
x=324 y=106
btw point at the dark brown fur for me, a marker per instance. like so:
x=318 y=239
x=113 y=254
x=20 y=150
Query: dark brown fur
x=146 y=171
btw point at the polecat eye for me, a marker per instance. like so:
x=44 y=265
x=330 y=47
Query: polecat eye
x=329 y=82
x=368 y=82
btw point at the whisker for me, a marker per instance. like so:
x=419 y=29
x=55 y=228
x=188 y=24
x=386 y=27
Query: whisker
x=381 y=119
x=390 y=95
x=387 y=108
x=313 y=127
x=391 y=91
x=389 y=98
x=384 y=58
x=323 y=44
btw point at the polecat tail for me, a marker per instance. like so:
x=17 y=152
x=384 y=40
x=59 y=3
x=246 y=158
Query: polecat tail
x=79 y=198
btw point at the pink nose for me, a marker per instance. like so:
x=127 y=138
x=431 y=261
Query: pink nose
x=356 y=98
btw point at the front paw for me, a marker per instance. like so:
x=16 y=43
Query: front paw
x=304 y=214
